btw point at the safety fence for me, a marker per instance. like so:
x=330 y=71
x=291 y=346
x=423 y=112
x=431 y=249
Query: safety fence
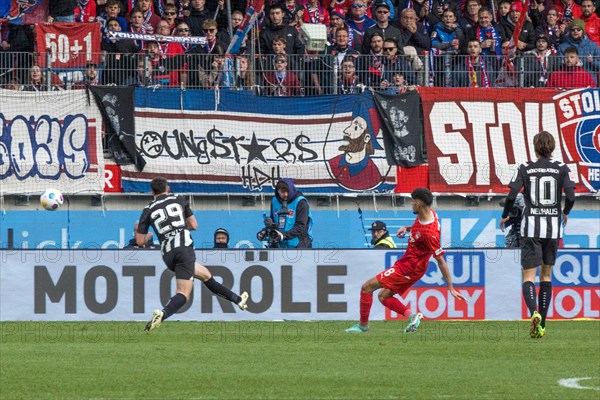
x=292 y=75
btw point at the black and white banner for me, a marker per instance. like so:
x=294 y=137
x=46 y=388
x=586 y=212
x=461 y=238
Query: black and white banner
x=117 y=107
x=402 y=128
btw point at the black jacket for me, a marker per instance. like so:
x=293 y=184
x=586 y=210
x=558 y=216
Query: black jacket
x=293 y=46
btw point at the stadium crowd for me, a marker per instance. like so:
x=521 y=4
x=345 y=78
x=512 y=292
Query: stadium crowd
x=387 y=45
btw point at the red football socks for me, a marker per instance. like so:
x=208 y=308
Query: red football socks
x=366 y=300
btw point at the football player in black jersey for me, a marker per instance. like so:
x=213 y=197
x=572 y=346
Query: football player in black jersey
x=172 y=219
x=543 y=182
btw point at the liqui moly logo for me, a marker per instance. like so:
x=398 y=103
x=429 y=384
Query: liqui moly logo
x=575 y=286
x=431 y=297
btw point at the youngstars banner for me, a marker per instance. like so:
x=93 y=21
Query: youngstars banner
x=235 y=142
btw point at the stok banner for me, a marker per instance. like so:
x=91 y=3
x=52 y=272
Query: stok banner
x=476 y=138
x=50 y=139
x=235 y=142
x=71 y=45
x=97 y=285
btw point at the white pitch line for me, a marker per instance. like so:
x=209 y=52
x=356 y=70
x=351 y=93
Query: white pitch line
x=573 y=383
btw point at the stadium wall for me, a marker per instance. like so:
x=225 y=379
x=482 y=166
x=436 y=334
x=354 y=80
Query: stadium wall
x=102 y=285
x=333 y=228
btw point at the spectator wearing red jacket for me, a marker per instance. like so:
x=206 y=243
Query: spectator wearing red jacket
x=592 y=21
x=571 y=75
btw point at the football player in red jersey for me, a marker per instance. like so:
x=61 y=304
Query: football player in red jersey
x=423 y=242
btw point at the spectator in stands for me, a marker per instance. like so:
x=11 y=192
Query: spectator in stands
x=112 y=11
x=85 y=11
x=210 y=73
x=382 y=25
x=392 y=63
x=588 y=51
x=446 y=39
x=198 y=13
x=470 y=18
x=183 y=29
x=221 y=239
x=446 y=36
x=414 y=39
x=592 y=21
x=503 y=10
x=489 y=34
x=552 y=28
x=358 y=21
x=170 y=52
x=37 y=81
x=435 y=15
x=278 y=44
x=527 y=37
x=349 y=81
x=341 y=49
x=170 y=15
x=315 y=13
x=568 y=10
x=538 y=64
x=90 y=77
x=278 y=28
x=245 y=73
x=151 y=19
x=571 y=74
x=399 y=84
x=281 y=82
x=236 y=19
x=61 y=11
x=143 y=76
x=136 y=25
x=119 y=56
x=338 y=20
x=475 y=70
x=371 y=65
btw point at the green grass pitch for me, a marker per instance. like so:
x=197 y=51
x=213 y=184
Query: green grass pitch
x=298 y=360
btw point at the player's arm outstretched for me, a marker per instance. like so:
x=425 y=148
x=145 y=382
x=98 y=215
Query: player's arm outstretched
x=402 y=231
x=446 y=274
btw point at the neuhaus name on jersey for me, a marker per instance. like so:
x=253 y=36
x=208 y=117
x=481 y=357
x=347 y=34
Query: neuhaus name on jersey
x=543 y=211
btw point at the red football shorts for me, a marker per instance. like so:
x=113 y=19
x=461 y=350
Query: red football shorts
x=397 y=279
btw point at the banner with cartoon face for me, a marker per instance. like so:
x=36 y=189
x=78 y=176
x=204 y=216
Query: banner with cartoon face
x=235 y=142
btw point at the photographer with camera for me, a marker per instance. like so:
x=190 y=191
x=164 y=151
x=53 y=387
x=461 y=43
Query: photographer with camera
x=513 y=237
x=290 y=223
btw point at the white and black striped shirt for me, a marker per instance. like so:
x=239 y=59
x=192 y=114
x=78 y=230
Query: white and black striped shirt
x=543 y=182
x=167 y=215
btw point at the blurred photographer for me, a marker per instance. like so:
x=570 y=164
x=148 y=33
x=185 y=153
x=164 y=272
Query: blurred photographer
x=290 y=223
x=513 y=237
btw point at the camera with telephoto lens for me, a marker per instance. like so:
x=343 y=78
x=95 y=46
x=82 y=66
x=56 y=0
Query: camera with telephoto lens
x=269 y=234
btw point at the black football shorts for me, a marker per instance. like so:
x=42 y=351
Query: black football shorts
x=181 y=260
x=536 y=252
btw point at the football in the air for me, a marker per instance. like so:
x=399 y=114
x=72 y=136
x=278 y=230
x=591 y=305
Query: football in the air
x=51 y=199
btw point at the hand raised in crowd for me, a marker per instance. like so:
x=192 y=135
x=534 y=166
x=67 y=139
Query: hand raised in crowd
x=521 y=45
x=49 y=20
x=5 y=45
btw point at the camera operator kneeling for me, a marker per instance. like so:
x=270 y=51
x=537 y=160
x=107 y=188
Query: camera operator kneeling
x=290 y=224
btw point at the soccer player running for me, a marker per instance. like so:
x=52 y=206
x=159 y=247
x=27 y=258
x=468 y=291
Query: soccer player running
x=543 y=182
x=172 y=219
x=423 y=242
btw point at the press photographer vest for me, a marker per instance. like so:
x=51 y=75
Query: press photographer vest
x=289 y=220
